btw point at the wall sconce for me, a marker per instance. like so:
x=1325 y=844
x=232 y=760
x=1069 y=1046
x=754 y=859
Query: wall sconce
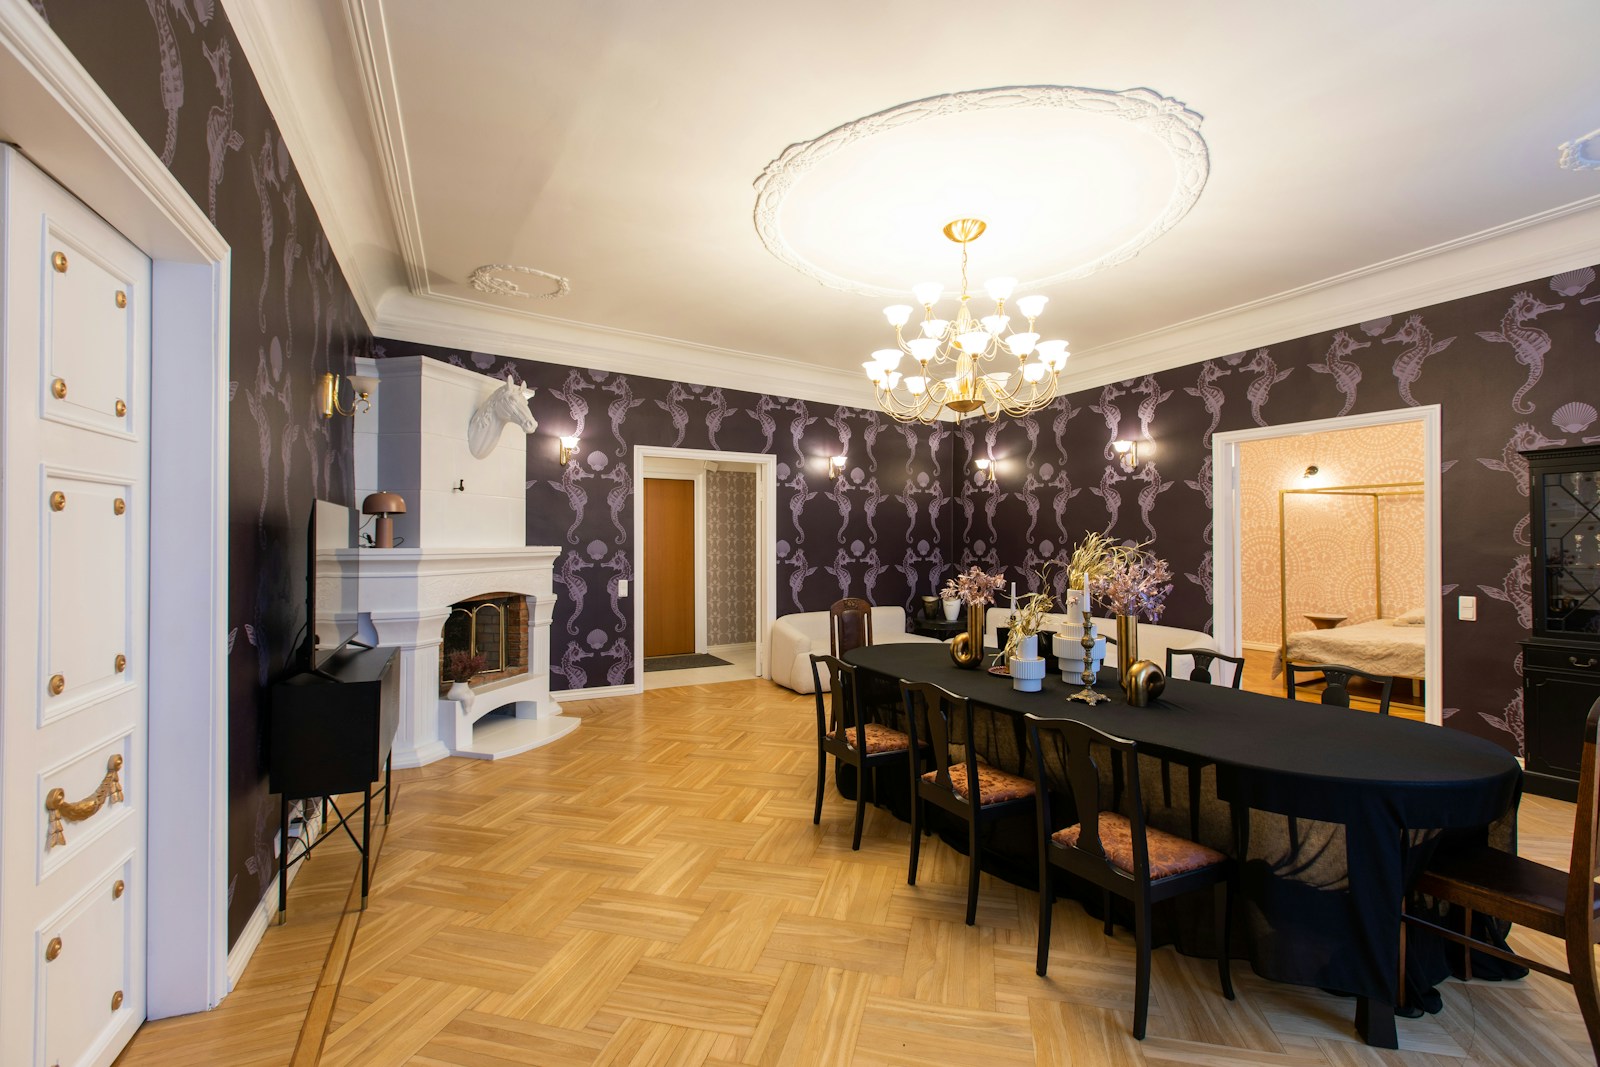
x=328 y=394
x=1312 y=471
x=569 y=445
x=1129 y=452
x=836 y=465
x=986 y=467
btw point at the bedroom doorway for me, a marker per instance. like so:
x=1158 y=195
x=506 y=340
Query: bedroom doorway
x=1355 y=504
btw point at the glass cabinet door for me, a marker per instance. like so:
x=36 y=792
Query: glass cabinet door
x=1570 y=529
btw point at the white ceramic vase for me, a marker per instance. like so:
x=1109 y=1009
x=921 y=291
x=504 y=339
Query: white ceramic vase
x=1027 y=671
x=952 y=609
x=462 y=692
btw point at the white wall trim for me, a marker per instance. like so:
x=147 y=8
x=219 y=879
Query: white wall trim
x=62 y=120
x=1227 y=588
x=766 y=541
x=600 y=692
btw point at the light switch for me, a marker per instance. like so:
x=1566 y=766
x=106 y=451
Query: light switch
x=1467 y=608
x=622 y=587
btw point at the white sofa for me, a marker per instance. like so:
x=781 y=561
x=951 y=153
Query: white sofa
x=796 y=637
x=1154 y=640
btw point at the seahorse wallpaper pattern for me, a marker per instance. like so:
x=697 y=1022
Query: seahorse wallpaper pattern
x=880 y=529
x=1329 y=539
x=730 y=557
x=175 y=70
x=1511 y=369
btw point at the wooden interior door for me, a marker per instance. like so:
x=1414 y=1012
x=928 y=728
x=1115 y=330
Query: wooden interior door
x=669 y=578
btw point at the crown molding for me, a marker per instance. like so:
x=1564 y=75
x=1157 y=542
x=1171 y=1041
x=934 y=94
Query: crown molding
x=1524 y=250
x=464 y=324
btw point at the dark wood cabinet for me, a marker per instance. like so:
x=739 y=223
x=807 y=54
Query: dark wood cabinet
x=1561 y=660
x=330 y=733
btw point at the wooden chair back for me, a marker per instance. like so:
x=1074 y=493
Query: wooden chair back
x=840 y=711
x=1585 y=862
x=1202 y=659
x=1337 y=676
x=1067 y=747
x=849 y=625
x=938 y=719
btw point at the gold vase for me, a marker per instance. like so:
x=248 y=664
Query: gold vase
x=967 y=649
x=1127 y=650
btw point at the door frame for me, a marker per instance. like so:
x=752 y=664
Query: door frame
x=1227 y=623
x=766 y=545
x=63 y=121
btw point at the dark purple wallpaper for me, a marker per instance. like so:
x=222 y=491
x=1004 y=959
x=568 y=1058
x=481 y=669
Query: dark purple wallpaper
x=1511 y=369
x=880 y=530
x=174 y=68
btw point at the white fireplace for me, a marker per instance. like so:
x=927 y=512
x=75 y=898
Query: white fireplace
x=461 y=536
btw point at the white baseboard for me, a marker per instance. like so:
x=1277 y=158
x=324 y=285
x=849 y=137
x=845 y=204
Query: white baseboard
x=598 y=691
x=254 y=930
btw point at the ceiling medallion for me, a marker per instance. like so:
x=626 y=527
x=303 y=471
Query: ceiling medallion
x=482 y=280
x=1173 y=126
x=955 y=358
x=1582 y=153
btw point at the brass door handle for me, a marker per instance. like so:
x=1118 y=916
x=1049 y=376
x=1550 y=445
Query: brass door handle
x=56 y=803
x=1585 y=665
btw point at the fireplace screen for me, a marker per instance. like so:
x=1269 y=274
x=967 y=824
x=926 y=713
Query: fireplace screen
x=493 y=626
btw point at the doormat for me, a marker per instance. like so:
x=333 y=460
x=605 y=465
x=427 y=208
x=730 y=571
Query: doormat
x=683 y=663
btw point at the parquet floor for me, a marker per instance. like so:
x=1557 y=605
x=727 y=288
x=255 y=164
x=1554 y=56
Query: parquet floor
x=651 y=890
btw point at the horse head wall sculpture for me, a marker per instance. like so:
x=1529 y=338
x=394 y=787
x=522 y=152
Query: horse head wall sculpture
x=509 y=403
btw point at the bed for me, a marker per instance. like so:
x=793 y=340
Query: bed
x=1377 y=646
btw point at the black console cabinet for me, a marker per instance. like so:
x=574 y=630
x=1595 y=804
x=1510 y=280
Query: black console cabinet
x=330 y=733
x=1561 y=660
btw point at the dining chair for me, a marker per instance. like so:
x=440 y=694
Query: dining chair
x=1558 y=903
x=1118 y=853
x=842 y=734
x=849 y=625
x=1202 y=659
x=1337 y=676
x=974 y=791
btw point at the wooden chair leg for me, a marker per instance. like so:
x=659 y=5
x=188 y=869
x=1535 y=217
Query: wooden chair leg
x=1466 y=950
x=1141 y=988
x=1400 y=986
x=822 y=783
x=1195 y=774
x=1046 y=908
x=1585 y=982
x=916 y=833
x=1224 y=897
x=861 y=806
x=972 y=870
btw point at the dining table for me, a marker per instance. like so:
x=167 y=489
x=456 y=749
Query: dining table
x=1332 y=813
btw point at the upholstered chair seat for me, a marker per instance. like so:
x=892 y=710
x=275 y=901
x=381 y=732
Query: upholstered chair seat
x=880 y=738
x=994 y=785
x=1169 y=853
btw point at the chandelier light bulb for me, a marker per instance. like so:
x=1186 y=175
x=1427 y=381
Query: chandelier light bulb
x=897 y=314
x=1053 y=353
x=917 y=385
x=923 y=348
x=888 y=358
x=1000 y=289
x=1021 y=344
x=1033 y=372
x=874 y=370
x=974 y=342
x=928 y=293
x=935 y=328
x=995 y=324
x=1031 y=305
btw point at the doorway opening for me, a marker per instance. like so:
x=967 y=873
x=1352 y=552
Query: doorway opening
x=1355 y=502
x=706 y=561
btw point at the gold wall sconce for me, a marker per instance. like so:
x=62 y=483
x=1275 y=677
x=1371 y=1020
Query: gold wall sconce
x=1128 y=452
x=569 y=445
x=987 y=468
x=1312 y=471
x=836 y=465
x=328 y=394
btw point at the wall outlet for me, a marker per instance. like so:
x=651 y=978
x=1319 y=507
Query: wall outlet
x=622 y=587
x=1467 y=608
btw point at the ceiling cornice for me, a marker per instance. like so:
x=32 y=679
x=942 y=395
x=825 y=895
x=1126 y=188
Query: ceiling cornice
x=463 y=324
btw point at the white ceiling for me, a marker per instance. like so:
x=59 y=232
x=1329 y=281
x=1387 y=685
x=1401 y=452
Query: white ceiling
x=1365 y=157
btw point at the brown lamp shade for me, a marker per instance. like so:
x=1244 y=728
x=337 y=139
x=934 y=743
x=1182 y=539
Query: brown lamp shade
x=383 y=504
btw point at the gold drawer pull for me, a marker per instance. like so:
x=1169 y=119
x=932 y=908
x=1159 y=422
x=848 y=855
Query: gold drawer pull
x=121 y=409
x=58 y=684
x=58 y=260
x=116 y=1000
x=58 y=500
x=118 y=506
x=1585 y=665
x=52 y=950
x=122 y=299
x=117 y=889
x=56 y=803
x=58 y=388
x=120 y=663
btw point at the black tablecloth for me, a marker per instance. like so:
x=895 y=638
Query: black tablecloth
x=1343 y=804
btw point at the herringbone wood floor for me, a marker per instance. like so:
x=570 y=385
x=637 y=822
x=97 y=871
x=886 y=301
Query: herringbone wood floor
x=651 y=890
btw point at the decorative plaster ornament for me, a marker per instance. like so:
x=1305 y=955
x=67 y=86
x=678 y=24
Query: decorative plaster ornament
x=509 y=403
x=1581 y=153
x=482 y=280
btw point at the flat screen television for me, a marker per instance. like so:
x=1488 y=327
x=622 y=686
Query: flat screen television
x=332 y=581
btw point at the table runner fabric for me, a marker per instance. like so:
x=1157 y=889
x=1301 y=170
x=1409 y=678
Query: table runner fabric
x=1344 y=806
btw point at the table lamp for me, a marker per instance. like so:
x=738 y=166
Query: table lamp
x=383 y=505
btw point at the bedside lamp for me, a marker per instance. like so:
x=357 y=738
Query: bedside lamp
x=383 y=505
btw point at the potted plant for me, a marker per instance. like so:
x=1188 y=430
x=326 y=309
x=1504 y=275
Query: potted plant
x=461 y=668
x=977 y=589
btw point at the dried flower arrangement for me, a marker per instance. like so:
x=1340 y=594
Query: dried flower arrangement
x=1028 y=616
x=974 y=587
x=1135 y=583
x=464 y=665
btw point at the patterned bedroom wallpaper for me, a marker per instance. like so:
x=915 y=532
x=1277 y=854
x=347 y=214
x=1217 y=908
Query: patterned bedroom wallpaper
x=880 y=530
x=1511 y=369
x=730 y=557
x=1330 y=538
x=176 y=71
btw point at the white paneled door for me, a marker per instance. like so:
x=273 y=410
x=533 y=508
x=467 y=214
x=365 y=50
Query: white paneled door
x=74 y=566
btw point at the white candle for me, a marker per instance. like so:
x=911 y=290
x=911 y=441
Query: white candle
x=1013 y=596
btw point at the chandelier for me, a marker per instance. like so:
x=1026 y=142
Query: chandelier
x=956 y=359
